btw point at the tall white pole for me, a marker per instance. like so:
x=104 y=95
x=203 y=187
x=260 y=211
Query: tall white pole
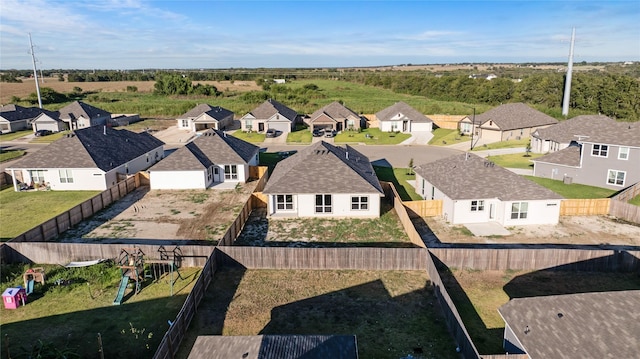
x=567 y=84
x=35 y=72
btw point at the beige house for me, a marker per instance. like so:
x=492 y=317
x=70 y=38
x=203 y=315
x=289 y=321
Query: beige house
x=271 y=114
x=334 y=116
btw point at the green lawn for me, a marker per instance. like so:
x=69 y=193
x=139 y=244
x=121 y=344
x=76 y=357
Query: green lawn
x=253 y=137
x=573 y=190
x=22 y=211
x=9 y=155
x=13 y=135
x=50 y=138
x=69 y=317
x=445 y=137
x=300 y=137
x=635 y=200
x=502 y=144
x=399 y=177
x=515 y=160
x=371 y=136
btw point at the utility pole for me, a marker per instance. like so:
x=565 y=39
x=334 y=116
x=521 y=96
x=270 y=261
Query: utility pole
x=567 y=83
x=473 y=124
x=35 y=71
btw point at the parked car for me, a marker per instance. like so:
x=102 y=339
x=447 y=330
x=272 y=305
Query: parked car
x=41 y=133
x=330 y=133
x=318 y=132
x=272 y=132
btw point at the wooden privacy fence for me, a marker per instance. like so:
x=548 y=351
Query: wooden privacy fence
x=584 y=207
x=449 y=122
x=170 y=343
x=425 y=208
x=625 y=211
x=52 y=228
x=535 y=259
x=323 y=258
x=628 y=193
x=63 y=253
x=392 y=195
x=257 y=172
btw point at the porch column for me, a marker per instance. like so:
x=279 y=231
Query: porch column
x=13 y=178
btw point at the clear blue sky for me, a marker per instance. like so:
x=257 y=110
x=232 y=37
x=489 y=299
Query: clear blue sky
x=131 y=34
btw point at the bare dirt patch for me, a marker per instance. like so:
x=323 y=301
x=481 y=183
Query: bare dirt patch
x=587 y=230
x=202 y=215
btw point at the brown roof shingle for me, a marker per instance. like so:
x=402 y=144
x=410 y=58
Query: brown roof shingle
x=574 y=128
x=272 y=107
x=569 y=156
x=513 y=116
x=335 y=110
x=403 y=108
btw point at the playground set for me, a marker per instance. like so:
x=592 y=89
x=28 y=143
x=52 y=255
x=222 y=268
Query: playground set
x=14 y=297
x=135 y=267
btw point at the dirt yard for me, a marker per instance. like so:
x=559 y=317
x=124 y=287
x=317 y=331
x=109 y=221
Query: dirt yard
x=589 y=230
x=165 y=215
x=7 y=90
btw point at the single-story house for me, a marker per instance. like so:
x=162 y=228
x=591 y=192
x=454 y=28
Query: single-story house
x=78 y=115
x=334 y=116
x=608 y=158
x=558 y=137
x=92 y=158
x=474 y=190
x=16 y=118
x=212 y=158
x=512 y=121
x=324 y=180
x=48 y=121
x=205 y=116
x=275 y=346
x=271 y=114
x=582 y=325
x=403 y=118
x=468 y=125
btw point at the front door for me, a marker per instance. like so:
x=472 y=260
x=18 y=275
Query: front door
x=261 y=127
x=492 y=210
x=216 y=174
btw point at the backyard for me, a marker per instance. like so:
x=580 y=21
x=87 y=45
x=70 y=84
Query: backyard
x=75 y=306
x=392 y=313
x=573 y=190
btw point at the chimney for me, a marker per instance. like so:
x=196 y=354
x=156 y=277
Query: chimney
x=104 y=131
x=346 y=154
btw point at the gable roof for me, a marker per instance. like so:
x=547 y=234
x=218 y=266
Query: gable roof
x=13 y=112
x=400 y=107
x=618 y=133
x=92 y=147
x=79 y=109
x=468 y=176
x=584 y=325
x=513 y=116
x=574 y=128
x=216 y=112
x=324 y=168
x=569 y=156
x=335 y=110
x=275 y=346
x=212 y=147
x=271 y=107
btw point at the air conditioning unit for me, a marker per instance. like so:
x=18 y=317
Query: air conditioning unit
x=567 y=180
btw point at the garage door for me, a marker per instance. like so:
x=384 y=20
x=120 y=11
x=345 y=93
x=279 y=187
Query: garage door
x=280 y=126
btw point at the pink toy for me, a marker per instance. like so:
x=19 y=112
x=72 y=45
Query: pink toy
x=12 y=297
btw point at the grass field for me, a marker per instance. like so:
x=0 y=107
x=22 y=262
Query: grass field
x=502 y=144
x=573 y=190
x=635 y=200
x=371 y=136
x=392 y=313
x=515 y=160
x=479 y=294
x=67 y=318
x=50 y=138
x=22 y=211
x=399 y=177
x=10 y=155
x=253 y=137
x=13 y=135
x=299 y=137
x=445 y=137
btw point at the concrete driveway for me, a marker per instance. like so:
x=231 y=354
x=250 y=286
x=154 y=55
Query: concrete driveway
x=487 y=229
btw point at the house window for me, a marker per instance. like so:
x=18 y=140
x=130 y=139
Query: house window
x=37 y=176
x=323 y=203
x=284 y=201
x=623 y=153
x=433 y=193
x=248 y=124
x=351 y=124
x=519 y=210
x=66 y=176
x=209 y=173
x=359 y=203
x=616 y=177
x=230 y=172
x=477 y=206
x=600 y=150
x=185 y=123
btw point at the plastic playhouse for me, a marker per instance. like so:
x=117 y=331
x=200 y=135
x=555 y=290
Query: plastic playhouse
x=13 y=297
x=31 y=276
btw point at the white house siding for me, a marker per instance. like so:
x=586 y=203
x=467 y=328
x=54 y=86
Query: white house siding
x=47 y=124
x=304 y=206
x=538 y=212
x=387 y=126
x=179 y=179
x=83 y=179
x=464 y=214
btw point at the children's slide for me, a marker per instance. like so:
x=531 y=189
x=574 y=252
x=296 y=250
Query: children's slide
x=30 y=286
x=121 y=290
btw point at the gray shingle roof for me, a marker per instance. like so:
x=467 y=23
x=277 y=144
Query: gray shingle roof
x=13 y=112
x=91 y=148
x=324 y=168
x=585 y=325
x=212 y=147
x=216 y=112
x=569 y=130
x=275 y=346
x=403 y=108
x=78 y=109
x=619 y=133
x=468 y=176
x=513 y=116
x=335 y=110
x=569 y=156
x=271 y=107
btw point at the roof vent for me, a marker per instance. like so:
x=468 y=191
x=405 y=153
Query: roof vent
x=560 y=315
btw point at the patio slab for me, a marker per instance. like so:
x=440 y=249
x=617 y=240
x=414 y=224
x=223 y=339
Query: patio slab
x=487 y=229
